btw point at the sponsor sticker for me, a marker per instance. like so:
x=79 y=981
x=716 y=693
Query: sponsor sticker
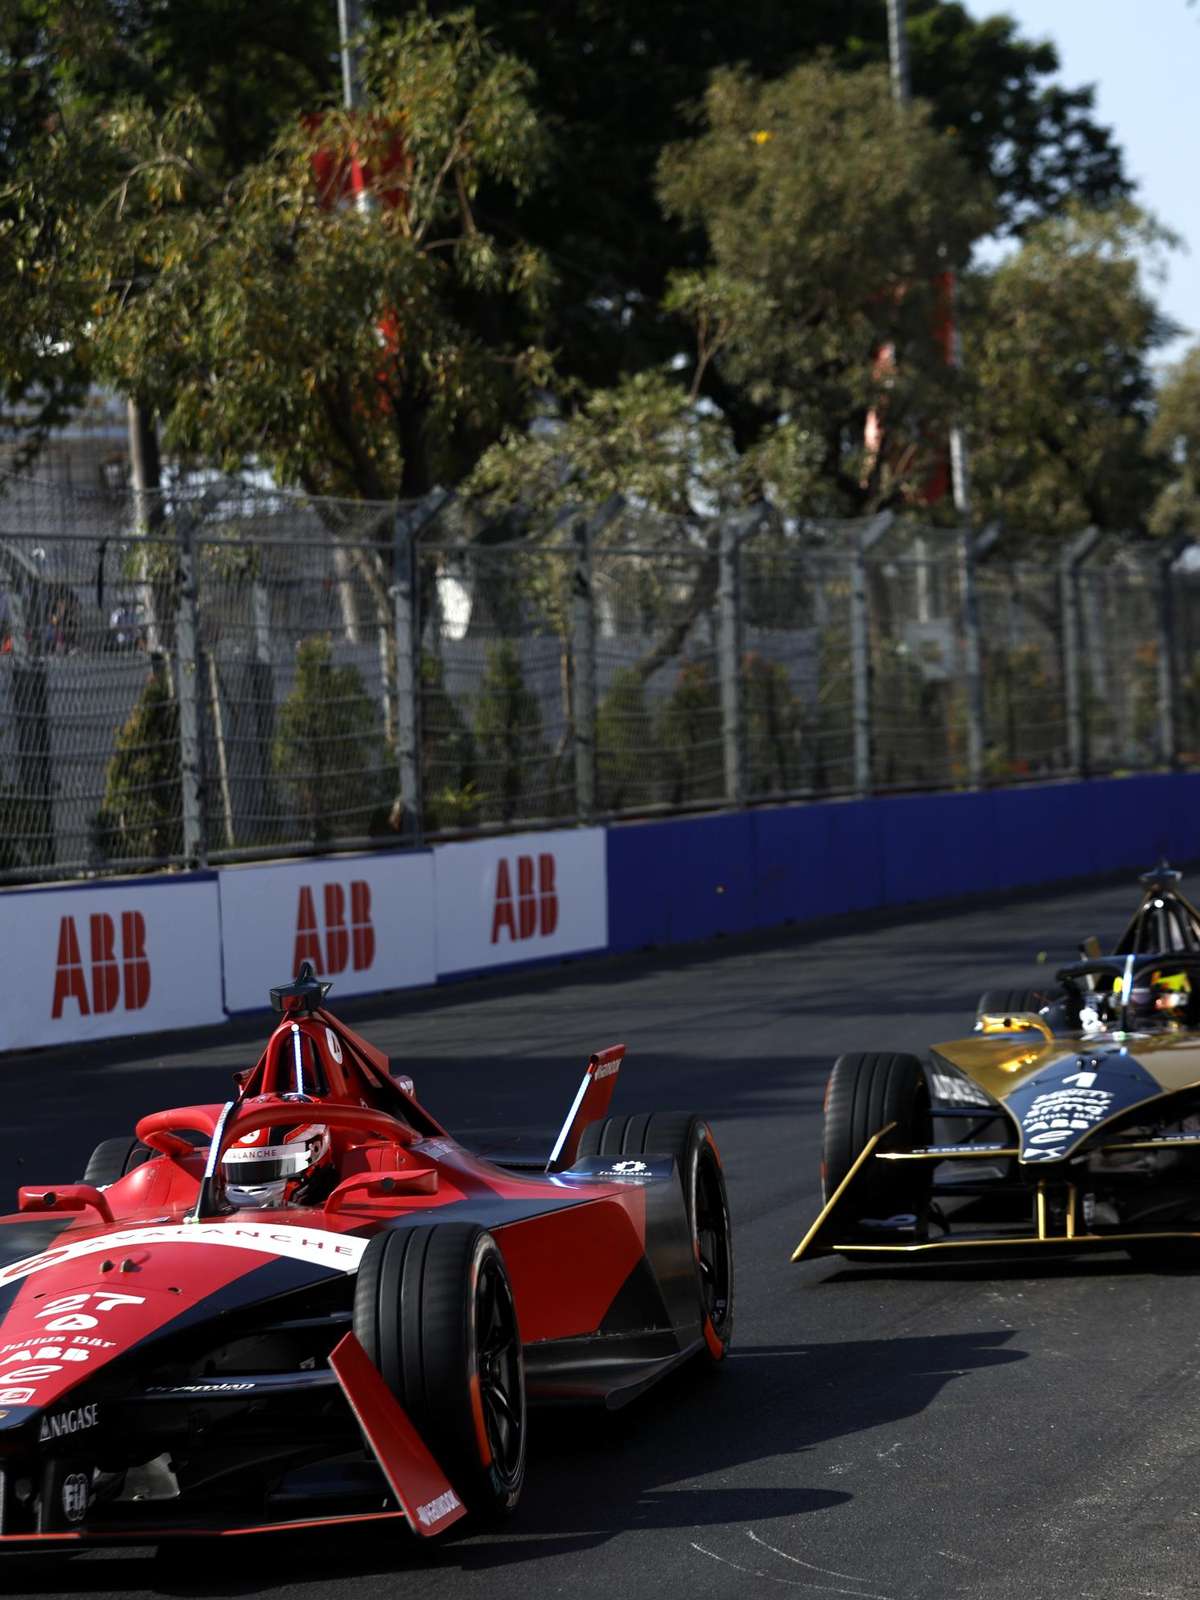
x=953 y=1090
x=434 y=1510
x=339 y=1252
x=64 y=1423
x=209 y=1386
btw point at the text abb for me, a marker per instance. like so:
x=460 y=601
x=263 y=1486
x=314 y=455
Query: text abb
x=120 y=971
x=347 y=942
x=534 y=906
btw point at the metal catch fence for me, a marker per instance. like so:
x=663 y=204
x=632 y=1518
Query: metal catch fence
x=230 y=673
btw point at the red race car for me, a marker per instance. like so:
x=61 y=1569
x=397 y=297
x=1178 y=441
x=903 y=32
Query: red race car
x=312 y=1305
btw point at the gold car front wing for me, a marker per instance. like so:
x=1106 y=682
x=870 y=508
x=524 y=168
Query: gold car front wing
x=1067 y=1235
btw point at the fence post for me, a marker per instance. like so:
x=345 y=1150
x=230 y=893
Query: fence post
x=583 y=651
x=407 y=687
x=860 y=647
x=1076 y=552
x=969 y=598
x=187 y=691
x=729 y=653
x=584 y=533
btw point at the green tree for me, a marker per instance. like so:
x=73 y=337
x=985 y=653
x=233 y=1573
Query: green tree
x=64 y=63
x=626 y=759
x=617 y=80
x=829 y=213
x=689 y=735
x=773 y=721
x=142 y=812
x=448 y=756
x=346 y=351
x=508 y=738
x=329 y=754
x=1059 y=339
x=1175 y=436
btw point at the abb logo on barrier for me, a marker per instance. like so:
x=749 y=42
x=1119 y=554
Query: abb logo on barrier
x=346 y=944
x=119 y=972
x=533 y=909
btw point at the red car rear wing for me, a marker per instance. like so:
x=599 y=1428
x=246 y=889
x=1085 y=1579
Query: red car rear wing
x=590 y=1104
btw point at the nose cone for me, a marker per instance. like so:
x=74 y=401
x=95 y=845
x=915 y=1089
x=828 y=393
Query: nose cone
x=67 y=1322
x=1060 y=1106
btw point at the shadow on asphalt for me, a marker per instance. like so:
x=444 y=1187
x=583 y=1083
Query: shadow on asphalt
x=1113 y=1264
x=593 y=1475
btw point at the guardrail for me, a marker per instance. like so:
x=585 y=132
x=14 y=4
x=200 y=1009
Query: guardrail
x=110 y=959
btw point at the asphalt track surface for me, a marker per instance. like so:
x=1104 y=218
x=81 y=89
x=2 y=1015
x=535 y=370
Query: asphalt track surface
x=1029 y=1432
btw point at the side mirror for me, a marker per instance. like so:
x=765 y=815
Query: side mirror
x=404 y=1083
x=64 y=1197
x=1089 y=948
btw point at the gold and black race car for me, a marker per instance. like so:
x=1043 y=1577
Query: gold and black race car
x=1067 y=1121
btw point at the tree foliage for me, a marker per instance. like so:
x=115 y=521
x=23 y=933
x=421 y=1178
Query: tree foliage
x=1059 y=341
x=508 y=737
x=1176 y=436
x=341 y=348
x=617 y=80
x=161 y=230
x=329 y=753
x=143 y=799
x=828 y=214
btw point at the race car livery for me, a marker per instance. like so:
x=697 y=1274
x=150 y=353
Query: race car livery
x=1068 y=1120
x=311 y=1304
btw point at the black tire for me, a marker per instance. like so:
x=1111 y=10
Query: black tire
x=113 y=1159
x=689 y=1139
x=434 y=1310
x=1008 y=1002
x=865 y=1093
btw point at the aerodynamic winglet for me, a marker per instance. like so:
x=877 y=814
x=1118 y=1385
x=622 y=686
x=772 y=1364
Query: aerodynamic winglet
x=426 y=1497
x=592 y=1100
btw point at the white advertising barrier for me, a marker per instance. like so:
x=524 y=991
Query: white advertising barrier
x=96 y=961
x=365 y=922
x=520 y=898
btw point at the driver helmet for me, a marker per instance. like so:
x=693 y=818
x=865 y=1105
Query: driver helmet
x=267 y=1166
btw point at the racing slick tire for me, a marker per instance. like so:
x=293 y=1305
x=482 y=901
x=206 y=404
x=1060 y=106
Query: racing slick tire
x=1007 y=1002
x=113 y=1159
x=689 y=1139
x=434 y=1310
x=864 y=1094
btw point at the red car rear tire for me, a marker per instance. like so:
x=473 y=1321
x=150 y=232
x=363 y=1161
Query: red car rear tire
x=689 y=1139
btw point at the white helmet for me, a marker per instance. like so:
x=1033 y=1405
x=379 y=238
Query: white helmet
x=265 y=1167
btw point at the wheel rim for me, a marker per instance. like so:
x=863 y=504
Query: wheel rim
x=501 y=1382
x=713 y=1253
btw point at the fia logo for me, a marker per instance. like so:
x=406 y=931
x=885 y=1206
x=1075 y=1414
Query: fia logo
x=75 y=1497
